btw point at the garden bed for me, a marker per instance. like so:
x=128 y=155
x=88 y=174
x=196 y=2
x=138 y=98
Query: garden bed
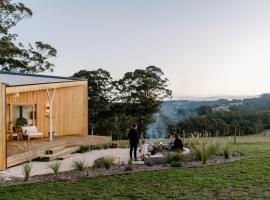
x=74 y=175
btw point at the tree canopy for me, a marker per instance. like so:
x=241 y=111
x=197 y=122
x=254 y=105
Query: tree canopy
x=117 y=104
x=144 y=88
x=14 y=56
x=100 y=93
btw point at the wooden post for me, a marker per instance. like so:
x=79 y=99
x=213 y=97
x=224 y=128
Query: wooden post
x=3 y=137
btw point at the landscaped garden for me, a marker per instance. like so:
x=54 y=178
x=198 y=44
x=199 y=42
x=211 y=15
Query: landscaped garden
x=248 y=178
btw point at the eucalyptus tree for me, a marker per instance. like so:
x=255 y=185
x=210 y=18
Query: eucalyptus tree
x=14 y=56
x=100 y=94
x=142 y=92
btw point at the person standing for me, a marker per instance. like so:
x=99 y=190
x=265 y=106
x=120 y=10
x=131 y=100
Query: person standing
x=133 y=137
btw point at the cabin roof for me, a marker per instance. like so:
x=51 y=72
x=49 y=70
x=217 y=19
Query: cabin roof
x=19 y=79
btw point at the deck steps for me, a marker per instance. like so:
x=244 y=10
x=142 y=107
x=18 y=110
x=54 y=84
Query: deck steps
x=38 y=148
x=60 y=154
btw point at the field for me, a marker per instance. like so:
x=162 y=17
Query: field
x=245 y=179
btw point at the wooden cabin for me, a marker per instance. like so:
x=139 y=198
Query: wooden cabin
x=49 y=103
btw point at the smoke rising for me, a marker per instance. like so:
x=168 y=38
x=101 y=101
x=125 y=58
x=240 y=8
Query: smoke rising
x=170 y=113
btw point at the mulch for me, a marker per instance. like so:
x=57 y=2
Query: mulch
x=75 y=175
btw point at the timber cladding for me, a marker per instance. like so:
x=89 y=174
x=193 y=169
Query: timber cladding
x=3 y=147
x=70 y=106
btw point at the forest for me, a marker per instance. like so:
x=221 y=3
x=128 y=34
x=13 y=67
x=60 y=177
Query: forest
x=141 y=95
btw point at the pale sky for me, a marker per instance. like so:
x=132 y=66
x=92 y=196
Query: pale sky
x=205 y=48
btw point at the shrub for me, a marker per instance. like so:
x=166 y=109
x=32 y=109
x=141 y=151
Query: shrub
x=98 y=147
x=55 y=167
x=176 y=164
x=79 y=165
x=27 y=167
x=226 y=151
x=149 y=162
x=130 y=162
x=84 y=149
x=106 y=146
x=122 y=163
x=92 y=147
x=2 y=180
x=129 y=167
x=95 y=147
x=203 y=151
x=175 y=157
x=103 y=163
x=114 y=145
x=155 y=161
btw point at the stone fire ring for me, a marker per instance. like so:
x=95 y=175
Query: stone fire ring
x=159 y=157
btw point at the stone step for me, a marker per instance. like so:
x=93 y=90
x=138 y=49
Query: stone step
x=60 y=154
x=55 y=150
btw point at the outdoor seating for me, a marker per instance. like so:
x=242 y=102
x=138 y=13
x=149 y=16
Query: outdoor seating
x=31 y=132
x=16 y=134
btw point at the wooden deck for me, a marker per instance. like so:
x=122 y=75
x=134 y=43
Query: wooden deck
x=21 y=151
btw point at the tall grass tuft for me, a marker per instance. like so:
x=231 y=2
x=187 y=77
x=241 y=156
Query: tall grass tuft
x=175 y=157
x=26 y=168
x=2 y=180
x=226 y=151
x=79 y=164
x=129 y=167
x=203 y=151
x=55 y=167
x=84 y=148
x=103 y=162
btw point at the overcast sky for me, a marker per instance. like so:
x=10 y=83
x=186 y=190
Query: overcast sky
x=205 y=48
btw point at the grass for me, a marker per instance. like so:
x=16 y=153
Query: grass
x=204 y=150
x=226 y=151
x=248 y=178
x=174 y=157
x=79 y=164
x=103 y=162
x=55 y=167
x=26 y=169
x=129 y=166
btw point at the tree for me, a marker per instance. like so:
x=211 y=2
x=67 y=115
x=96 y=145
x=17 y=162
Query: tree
x=15 y=56
x=142 y=91
x=100 y=93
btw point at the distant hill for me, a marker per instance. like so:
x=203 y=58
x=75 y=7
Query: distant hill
x=216 y=117
x=214 y=98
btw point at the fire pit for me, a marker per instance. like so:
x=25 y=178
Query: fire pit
x=157 y=152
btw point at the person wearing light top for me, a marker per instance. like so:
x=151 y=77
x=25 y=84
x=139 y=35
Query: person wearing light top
x=144 y=150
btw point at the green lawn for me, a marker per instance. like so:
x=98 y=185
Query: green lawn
x=245 y=179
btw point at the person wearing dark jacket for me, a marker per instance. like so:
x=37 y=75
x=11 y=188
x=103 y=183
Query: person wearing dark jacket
x=178 y=144
x=133 y=137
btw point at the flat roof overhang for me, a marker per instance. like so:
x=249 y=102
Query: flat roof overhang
x=43 y=86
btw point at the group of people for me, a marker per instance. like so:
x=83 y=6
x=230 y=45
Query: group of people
x=175 y=144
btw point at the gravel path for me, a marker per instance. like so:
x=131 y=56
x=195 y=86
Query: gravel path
x=39 y=168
